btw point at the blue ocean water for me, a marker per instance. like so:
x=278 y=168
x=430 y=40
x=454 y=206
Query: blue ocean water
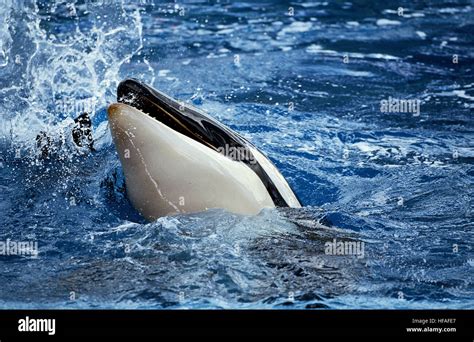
x=304 y=82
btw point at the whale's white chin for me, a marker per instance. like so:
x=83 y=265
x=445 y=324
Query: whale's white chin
x=168 y=173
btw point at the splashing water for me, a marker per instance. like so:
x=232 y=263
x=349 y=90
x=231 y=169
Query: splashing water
x=304 y=82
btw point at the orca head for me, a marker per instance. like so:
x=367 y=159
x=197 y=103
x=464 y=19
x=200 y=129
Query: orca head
x=178 y=159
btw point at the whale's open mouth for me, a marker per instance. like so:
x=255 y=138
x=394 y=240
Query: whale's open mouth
x=200 y=127
x=177 y=115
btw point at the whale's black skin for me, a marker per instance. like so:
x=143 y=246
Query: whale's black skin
x=194 y=124
x=82 y=131
x=81 y=136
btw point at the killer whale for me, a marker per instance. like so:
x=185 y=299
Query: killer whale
x=176 y=158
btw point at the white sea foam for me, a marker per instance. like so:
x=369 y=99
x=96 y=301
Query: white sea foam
x=163 y=72
x=387 y=22
x=318 y=49
x=421 y=34
x=296 y=27
x=352 y=23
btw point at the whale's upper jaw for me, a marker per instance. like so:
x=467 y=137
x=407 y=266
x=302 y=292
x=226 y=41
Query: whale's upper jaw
x=179 y=116
x=205 y=130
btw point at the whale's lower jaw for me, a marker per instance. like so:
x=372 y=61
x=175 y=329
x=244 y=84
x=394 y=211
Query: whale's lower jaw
x=168 y=173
